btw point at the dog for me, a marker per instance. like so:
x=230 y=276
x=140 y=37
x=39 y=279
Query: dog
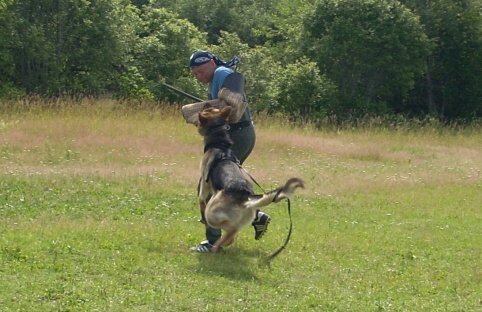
x=226 y=198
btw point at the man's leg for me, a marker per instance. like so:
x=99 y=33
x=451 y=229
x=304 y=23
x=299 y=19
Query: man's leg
x=212 y=235
x=260 y=224
x=244 y=140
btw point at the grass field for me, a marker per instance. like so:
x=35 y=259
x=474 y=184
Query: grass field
x=98 y=209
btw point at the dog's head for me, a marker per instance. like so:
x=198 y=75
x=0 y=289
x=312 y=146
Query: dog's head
x=211 y=117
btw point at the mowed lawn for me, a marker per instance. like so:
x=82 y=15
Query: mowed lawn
x=98 y=210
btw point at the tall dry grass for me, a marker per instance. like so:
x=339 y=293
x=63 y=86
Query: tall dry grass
x=106 y=137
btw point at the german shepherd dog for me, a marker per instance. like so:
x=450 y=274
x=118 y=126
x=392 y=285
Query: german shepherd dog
x=226 y=198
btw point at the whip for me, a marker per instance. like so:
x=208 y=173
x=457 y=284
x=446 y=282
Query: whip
x=182 y=92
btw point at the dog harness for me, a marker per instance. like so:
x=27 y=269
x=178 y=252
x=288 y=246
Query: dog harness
x=226 y=155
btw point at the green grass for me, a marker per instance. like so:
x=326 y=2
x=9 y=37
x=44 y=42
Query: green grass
x=98 y=210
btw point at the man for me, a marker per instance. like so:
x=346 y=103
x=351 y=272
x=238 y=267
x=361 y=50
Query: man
x=208 y=69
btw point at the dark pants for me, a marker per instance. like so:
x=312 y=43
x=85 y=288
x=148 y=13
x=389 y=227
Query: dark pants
x=243 y=143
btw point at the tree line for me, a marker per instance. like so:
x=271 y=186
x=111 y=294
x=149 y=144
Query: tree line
x=304 y=58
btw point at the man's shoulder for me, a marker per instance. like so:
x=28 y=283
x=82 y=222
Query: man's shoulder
x=223 y=72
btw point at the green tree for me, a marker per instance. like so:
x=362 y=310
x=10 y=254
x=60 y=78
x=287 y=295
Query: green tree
x=7 y=66
x=452 y=86
x=372 y=50
x=72 y=46
x=241 y=17
x=282 y=32
x=4 y=4
x=161 y=53
x=303 y=91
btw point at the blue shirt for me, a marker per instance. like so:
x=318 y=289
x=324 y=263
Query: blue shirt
x=220 y=73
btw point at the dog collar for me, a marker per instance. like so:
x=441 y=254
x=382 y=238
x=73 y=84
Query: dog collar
x=218 y=128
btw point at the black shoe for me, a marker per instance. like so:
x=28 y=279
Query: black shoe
x=260 y=225
x=203 y=247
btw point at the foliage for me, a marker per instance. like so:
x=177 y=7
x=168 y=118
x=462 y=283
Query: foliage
x=452 y=86
x=160 y=52
x=68 y=46
x=283 y=35
x=303 y=92
x=372 y=57
x=4 y=4
x=132 y=85
x=371 y=50
x=242 y=17
x=6 y=64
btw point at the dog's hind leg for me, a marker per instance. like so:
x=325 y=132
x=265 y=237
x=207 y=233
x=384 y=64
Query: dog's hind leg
x=226 y=240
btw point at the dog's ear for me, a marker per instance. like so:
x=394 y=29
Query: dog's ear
x=203 y=117
x=206 y=106
x=225 y=112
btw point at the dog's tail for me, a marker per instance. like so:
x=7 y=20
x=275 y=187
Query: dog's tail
x=274 y=196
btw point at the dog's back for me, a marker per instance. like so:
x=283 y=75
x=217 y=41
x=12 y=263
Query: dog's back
x=227 y=176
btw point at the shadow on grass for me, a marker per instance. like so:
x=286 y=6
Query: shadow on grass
x=236 y=263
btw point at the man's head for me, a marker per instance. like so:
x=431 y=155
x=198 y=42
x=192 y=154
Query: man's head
x=203 y=65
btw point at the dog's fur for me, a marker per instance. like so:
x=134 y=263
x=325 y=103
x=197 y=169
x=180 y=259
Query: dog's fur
x=226 y=198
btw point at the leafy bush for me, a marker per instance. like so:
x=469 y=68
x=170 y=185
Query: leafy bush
x=302 y=91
